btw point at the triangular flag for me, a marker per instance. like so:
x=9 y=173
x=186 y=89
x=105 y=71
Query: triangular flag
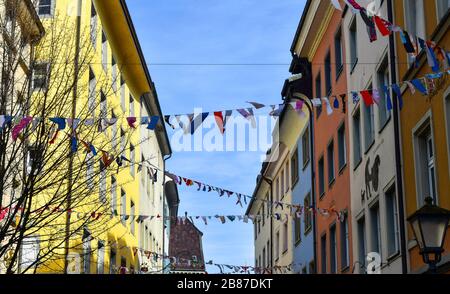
x=219 y=120
x=20 y=126
x=153 y=122
x=198 y=120
x=382 y=25
x=419 y=86
x=367 y=97
x=336 y=102
x=336 y=4
x=327 y=103
x=376 y=96
x=256 y=105
x=398 y=93
x=388 y=97
x=131 y=120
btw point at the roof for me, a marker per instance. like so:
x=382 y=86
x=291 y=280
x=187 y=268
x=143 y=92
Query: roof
x=300 y=25
x=124 y=42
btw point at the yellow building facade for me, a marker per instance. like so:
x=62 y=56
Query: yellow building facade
x=424 y=119
x=113 y=83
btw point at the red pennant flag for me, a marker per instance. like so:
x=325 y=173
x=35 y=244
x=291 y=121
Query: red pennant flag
x=382 y=25
x=219 y=120
x=367 y=97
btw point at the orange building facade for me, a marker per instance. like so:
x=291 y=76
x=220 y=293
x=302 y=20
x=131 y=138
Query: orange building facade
x=320 y=39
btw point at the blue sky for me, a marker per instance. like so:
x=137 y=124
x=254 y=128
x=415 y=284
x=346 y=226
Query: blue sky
x=217 y=32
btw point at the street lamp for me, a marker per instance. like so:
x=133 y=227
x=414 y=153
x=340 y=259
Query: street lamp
x=429 y=224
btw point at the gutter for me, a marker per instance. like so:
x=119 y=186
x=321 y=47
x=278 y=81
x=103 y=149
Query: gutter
x=398 y=163
x=300 y=26
x=147 y=74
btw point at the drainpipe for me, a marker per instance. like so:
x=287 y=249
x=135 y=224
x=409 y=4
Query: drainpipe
x=398 y=164
x=164 y=201
x=74 y=101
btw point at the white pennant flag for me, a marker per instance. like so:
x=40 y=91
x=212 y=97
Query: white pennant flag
x=336 y=4
x=329 y=109
x=317 y=102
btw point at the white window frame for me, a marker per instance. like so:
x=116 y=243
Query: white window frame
x=446 y=108
x=424 y=122
x=46 y=15
x=113 y=195
x=30 y=245
x=439 y=18
x=94 y=27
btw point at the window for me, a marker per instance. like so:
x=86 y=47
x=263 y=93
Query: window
x=29 y=252
x=330 y=154
x=132 y=159
x=305 y=147
x=338 y=53
x=361 y=244
x=122 y=92
x=112 y=261
x=264 y=257
x=40 y=76
x=92 y=94
x=256 y=229
x=123 y=205
x=442 y=7
x=34 y=160
x=383 y=80
x=392 y=228
x=45 y=7
x=357 y=138
x=333 y=250
x=369 y=130
x=101 y=257
x=277 y=245
x=114 y=74
x=318 y=94
x=90 y=170
x=425 y=163
x=286 y=178
x=114 y=131
x=259 y=223
x=447 y=117
x=104 y=51
x=86 y=251
x=342 y=147
x=113 y=195
x=131 y=105
x=102 y=188
x=277 y=189
x=268 y=253
x=132 y=213
x=94 y=24
x=263 y=215
x=282 y=183
x=328 y=74
x=353 y=44
x=103 y=105
x=307 y=213
x=321 y=178
x=297 y=229
x=345 y=255
x=285 y=237
x=122 y=140
x=414 y=18
x=123 y=264
x=294 y=167
x=375 y=233
x=323 y=250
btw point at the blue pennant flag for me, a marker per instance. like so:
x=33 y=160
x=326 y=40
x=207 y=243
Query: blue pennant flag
x=60 y=121
x=388 y=98
x=398 y=92
x=153 y=122
x=419 y=86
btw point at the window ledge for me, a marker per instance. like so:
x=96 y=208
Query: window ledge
x=331 y=183
x=369 y=147
x=307 y=230
x=345 y=269
x=342 y=168
x=354 y=66
x=383 y=126
x=305 y=164
x=357 y=164
x=298 y=242
x=339 y=72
